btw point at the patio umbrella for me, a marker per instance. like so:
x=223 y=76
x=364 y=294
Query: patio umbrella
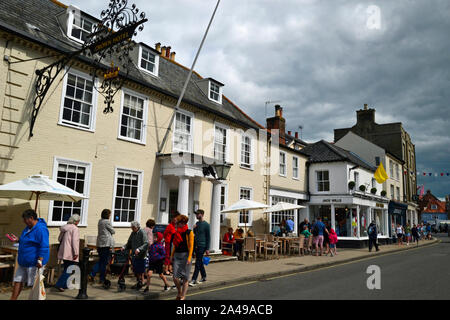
x=245 y=204
x=283 y=206
x=39 y=187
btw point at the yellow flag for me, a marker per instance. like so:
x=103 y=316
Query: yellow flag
x=380 y=175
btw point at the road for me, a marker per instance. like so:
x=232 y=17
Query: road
x=422 y=273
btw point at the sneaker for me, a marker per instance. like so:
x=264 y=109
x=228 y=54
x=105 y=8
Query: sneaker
x=166 y=288
x=174 y=287
x=146 y=290
x=193 y=283
x=203 y=280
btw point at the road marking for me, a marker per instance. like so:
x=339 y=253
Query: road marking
x=306 y=271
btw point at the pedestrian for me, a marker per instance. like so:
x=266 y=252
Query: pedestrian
x=333 y=241
x=105 y=242
x=415 y=234
x=168 y=233
x=138 y=244
x=305 y=232
x=276 y=231
x=408 y=233
x=181 y=255
x=303 y=223
x=34 y=251
x=399 y=232
x=326 y=240
x=69 y=249
x=156 y=256
x=201 y=246
x=428 y=231
x=318 y=231
x=149 y=225
x=373 y=236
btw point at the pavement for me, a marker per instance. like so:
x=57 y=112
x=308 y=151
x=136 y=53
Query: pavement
x=225 y=274
x=419 y=274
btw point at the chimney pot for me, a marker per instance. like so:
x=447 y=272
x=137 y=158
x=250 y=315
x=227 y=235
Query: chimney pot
x=278 y=111
x=365 y=106
x=296 y=135
x=172 y=56
x=289 y=133
x=158 y=47
x=168 y=52
x=163 y=51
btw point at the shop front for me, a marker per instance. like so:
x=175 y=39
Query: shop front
x=350 y=216
x=279 y=195
x=397 y=215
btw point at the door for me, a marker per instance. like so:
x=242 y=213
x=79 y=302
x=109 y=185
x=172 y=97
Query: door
x=173 y=203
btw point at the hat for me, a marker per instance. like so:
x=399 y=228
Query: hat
x=159 y=236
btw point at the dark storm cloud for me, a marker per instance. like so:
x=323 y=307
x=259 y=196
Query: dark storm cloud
x=320 y=59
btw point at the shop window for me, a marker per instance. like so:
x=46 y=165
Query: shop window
x=343 y=222
x=277 y=217
x=364 y=222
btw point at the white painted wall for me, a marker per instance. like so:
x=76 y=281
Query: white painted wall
x=362 y=147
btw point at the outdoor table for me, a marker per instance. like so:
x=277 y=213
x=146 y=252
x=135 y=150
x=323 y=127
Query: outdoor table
x=14 y=251
x=284 y=243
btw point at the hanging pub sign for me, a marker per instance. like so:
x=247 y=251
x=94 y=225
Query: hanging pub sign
x=110 y=40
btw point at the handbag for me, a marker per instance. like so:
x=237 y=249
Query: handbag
x=38 y=290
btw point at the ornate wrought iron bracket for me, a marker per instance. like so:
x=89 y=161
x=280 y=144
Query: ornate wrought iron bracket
x=111 y=39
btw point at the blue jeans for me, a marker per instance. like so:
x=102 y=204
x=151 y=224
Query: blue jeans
x=100 y=266
x=199 y=267
x=62 y=281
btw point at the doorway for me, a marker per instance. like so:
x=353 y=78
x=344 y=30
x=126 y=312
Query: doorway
x=173 y=203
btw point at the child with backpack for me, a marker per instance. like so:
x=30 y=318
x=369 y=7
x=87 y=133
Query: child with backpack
x=156 y=256
x=332 y=236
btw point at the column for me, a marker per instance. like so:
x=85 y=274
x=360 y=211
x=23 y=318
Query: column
x=163 y=216
x=215 y=218
x=333 y=217
x=387 y=222
x=196 y=197
x=358 y=221
x=183 y=195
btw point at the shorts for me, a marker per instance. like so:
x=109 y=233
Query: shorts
x=332 y=245
x=318 y=240
x=156 y=266
x=138 y=265
x=26 y=275
x=400 y=235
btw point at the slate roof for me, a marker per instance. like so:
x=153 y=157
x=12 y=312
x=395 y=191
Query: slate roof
x=323 y=151
x=17 y=16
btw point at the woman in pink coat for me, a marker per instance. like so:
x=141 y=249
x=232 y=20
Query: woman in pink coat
x=69 y=248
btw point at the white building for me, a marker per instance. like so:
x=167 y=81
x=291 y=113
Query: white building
x=349 y=211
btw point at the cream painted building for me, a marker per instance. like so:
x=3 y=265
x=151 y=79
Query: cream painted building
x=118 y=160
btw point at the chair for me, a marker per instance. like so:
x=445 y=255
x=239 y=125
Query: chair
x=53 y=267
x=271 y=245
x=90 y=240
x=260 y=241
x=250 y=247
x=227 y=247
x=295 y=243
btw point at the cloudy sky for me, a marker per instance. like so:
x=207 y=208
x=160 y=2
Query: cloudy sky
x=323 y=60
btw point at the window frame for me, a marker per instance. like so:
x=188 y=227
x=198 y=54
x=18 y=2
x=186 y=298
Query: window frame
x=93 y=118
x=322 y=181
x=227 y=140
x=191 y=141
x=220 y=91
x=85 y=204
x=137 y=217
x=250 y=212
x=285 y=164
x=70 y=26
x=156 y=70
x=143 y=140
x=293 y=167
x=223 y=216
x=243 y=165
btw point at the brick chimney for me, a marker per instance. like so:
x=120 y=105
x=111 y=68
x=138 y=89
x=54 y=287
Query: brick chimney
x=158 y=47
x=168 y=52
x=296 y=135
x=278 y=122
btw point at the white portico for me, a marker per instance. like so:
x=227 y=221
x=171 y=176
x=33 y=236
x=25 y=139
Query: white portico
x=185 y=186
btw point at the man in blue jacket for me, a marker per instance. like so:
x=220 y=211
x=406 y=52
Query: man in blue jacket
x=34 y=251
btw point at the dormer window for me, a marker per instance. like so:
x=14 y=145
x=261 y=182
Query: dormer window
x=79 y=26
x=148 y=61
x=215 y=92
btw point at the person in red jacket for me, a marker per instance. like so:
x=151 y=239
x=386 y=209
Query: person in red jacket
x=170 y=230
x=228 y=240
x=332 y=236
